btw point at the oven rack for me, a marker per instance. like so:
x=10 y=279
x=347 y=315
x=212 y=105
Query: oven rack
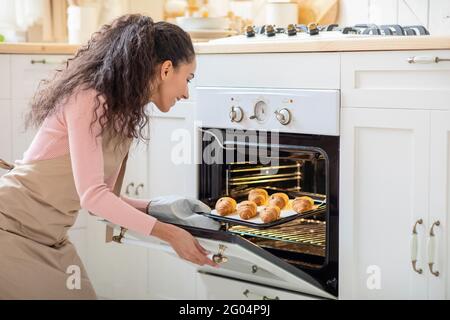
x=300 y=231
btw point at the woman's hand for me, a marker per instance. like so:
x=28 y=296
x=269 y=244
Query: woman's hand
x=184 y=244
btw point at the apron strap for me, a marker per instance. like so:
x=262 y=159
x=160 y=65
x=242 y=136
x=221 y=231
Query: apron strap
x=119 y=181
x=6 y=165
x=116 y=190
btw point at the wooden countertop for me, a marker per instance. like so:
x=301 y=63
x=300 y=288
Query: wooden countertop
x=313 y=45
x=38 y=48
x=328 y=45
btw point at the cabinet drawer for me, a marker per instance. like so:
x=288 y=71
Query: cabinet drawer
x=27 y=71
x=5 y=132
x=5 y=79
x=273 y=70
x=212 y=287
x=388 y=80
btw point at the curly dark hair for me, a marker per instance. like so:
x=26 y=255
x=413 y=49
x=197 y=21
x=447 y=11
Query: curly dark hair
x=120 y=62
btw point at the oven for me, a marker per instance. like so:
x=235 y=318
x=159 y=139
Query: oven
x=280 y=140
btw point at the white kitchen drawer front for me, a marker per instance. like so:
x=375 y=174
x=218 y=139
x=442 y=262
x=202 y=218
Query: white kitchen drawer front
x=21 y=137
x=275 y=70
x=5 y=78
x=27 y=71
x=213 y=287
x=397 y=79
x=5 y=133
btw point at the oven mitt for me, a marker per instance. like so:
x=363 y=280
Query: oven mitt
x=182 y=211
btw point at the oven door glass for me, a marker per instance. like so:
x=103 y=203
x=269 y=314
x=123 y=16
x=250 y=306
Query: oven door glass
x=235 y=162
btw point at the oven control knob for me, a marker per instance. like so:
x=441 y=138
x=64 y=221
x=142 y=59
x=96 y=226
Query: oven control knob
x=283 y=116
x=236 y=114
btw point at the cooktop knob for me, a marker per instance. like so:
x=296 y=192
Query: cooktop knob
x=270 y=31
x=250 y=31
x=283 y=116
x=236 y=114
x=291 y=30
x=313 y=29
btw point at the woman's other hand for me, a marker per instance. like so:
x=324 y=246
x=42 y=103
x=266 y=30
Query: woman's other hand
x=185 y=245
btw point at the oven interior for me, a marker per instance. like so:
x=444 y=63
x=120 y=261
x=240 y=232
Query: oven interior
x=235 y=163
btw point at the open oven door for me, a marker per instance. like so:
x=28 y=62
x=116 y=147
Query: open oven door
x=239 y=259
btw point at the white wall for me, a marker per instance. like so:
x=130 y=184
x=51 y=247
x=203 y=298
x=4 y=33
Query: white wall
x=433 y=14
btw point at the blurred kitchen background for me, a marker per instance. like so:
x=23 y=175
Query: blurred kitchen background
x=75 y=20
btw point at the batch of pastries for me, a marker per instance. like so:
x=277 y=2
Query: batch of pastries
x=271 y=206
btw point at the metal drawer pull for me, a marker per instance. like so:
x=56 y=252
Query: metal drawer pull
x=45 y=61
x=426 y=59
x=248 y=293
x=141 y=186
x=414 y=247
x=127 y=190
x=432 y=248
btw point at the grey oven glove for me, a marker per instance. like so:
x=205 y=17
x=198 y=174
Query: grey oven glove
x=182 y=211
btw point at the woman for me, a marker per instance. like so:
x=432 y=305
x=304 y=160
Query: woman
x=88 y=116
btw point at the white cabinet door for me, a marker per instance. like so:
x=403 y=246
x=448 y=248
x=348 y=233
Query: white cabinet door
x=384 y=169
x=5 y=77
x=439 y=287
x=21 y=138
x=135 y=183
x=5 y=132
x=116 y=271
x=171 y=157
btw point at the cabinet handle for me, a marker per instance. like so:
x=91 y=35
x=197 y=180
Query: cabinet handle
x=432 y=248
x=45 y=61
x=248 y=293
x=141 y=186
x=414 y=247
x=426 y=59
x=127 y=190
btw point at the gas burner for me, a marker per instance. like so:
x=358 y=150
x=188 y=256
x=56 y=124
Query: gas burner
x=312 y=29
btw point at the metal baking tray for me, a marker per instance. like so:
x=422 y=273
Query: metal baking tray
x=256 y=222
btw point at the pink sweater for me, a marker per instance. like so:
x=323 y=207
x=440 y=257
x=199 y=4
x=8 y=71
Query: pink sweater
x=68 y=131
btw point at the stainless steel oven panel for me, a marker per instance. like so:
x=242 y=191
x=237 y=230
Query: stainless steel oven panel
x=311 y=111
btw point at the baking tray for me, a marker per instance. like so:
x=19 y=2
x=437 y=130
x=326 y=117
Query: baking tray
x=285 y=216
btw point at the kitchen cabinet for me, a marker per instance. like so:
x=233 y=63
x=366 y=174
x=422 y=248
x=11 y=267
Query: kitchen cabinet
x=162 y=167
x=171 y=152
x=388 y=80
x=394 y=175
x=394 y=181
x=5 y=132
x=5 y=85
x=21 y=137
x=439 y=286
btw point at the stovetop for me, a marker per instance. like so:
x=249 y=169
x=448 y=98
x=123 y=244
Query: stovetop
x=296 y=32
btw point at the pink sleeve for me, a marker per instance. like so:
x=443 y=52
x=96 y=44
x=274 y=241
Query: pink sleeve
x=87 y=165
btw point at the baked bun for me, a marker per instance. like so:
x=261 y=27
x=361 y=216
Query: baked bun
x=258 y=196
x=225 y=206
x=302 y=204
x=270 y=214
x=281 y=200
x=247 y=210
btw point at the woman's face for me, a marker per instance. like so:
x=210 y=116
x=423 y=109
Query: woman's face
x=172 y=84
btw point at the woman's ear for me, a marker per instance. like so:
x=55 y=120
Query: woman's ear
x=166 y=69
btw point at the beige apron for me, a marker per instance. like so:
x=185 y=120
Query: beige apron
x=38 y=205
